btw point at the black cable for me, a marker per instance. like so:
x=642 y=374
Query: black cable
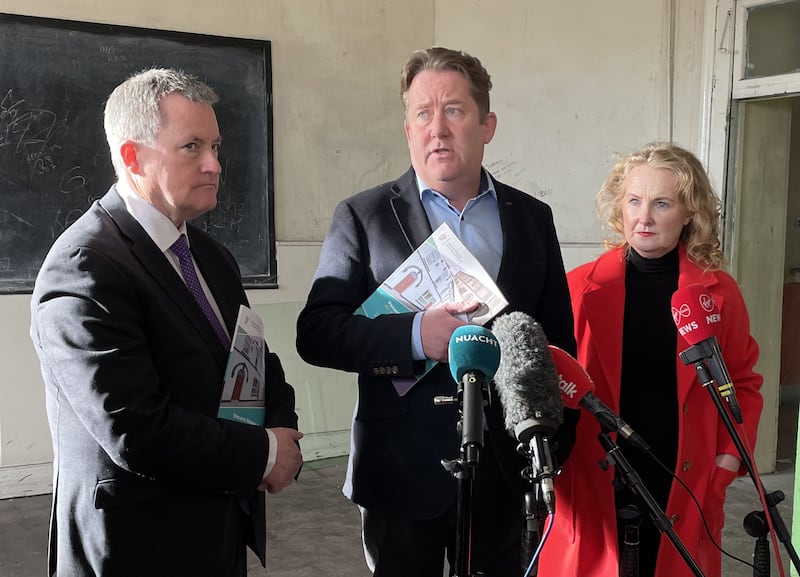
x=700 y=510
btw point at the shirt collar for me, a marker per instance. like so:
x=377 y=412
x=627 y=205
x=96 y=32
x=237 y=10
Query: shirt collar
x=487 y=186
x=155 y=223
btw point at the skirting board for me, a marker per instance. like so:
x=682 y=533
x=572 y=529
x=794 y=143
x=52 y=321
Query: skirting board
x=26 y=480
x=30 y=480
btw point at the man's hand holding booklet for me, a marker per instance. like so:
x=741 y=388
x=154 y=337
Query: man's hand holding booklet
x=441 y=270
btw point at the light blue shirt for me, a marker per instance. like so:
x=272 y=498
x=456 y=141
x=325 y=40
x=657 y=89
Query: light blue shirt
x=477 y=226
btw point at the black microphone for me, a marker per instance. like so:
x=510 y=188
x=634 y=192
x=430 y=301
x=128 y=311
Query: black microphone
x=527 y=385
x=696 y=315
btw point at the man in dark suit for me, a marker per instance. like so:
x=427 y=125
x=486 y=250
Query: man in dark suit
x=407 y=499
x=147 y=480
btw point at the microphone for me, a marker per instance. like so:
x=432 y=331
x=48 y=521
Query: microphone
x=473 y=349
x=526 y=378
x=473 y=355
x=528 y=388
x=577 y=391
x=697 y=317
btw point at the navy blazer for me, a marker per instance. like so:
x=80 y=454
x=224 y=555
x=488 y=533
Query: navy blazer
x=398 y=442
x=147 y=481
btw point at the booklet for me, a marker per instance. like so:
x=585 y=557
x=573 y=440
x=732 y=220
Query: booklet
x=440 y=270
x=243 y=390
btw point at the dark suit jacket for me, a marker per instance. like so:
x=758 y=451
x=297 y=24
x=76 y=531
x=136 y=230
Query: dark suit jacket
x=146 y=480
x=398 y=442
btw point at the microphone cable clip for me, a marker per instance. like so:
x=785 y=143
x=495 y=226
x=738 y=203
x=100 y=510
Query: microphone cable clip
x=540 y=472
x=548 y=471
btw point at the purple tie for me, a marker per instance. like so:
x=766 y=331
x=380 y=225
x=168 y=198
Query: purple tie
x=181 y=249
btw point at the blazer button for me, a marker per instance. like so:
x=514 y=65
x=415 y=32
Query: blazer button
x=686 y=466
x=674 y=519
x=685 y=408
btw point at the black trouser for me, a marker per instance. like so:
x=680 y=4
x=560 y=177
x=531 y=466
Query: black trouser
x=400 y=547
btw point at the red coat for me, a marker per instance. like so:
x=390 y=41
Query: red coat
x=583 y=542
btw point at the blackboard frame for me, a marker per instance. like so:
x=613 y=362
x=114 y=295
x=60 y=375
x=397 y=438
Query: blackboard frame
x=239 y=69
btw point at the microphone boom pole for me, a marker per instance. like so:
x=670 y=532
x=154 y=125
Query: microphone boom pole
x=772 y=499
x=634 y=482
x=696 y=316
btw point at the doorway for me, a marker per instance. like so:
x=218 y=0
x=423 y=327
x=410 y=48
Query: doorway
x=762 y=239
x=753 y=145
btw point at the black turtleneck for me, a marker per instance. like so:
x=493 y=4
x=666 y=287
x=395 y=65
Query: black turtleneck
x=648 y=390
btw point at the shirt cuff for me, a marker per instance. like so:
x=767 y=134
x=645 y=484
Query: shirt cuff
x=416 y=338
x=273 y=453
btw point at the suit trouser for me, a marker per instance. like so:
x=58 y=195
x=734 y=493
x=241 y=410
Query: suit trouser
x=396 y=546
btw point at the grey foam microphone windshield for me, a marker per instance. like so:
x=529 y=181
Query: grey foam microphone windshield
x=526 y=380
x=527 y=384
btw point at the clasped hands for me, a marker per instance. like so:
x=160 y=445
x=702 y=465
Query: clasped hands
x=287 y=463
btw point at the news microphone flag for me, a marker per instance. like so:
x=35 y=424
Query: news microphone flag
x=698 y=319
x=473 y=348
x=577 y=390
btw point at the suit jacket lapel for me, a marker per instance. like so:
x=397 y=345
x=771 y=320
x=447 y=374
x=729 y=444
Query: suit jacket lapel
x=408 y=210
x=414 y=223
x=156 y=265
x=512 y=225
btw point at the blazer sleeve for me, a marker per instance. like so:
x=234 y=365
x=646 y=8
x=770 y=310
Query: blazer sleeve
x=355 y=254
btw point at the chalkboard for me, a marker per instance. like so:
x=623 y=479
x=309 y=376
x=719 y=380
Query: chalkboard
x=55 y=77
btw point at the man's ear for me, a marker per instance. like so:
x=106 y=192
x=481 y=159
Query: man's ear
x=129 y=155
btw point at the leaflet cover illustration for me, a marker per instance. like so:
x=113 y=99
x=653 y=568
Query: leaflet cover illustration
x=440 y=270
x=243 y=390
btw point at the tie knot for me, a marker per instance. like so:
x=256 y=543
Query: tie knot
x=180 y=247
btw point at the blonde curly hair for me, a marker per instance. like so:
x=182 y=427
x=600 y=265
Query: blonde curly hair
x=701 y=235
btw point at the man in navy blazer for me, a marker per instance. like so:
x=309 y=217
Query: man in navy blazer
x=147 y=480
x=395 y=475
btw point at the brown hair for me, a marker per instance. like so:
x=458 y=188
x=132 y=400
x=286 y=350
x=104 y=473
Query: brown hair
x=444 y=59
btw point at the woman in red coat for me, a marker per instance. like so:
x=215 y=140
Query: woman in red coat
x=658 y=200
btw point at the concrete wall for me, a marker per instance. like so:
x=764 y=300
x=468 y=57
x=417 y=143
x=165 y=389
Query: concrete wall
x=337 y=128
x=574 y=82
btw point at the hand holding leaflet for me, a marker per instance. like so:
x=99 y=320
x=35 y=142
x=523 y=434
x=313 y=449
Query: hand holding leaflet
x=440 y=270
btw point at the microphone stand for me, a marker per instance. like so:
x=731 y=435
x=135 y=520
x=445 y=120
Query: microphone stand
x=630 y=478
x=755 y=525
x=694 y=356
x=471 y=393
x=540 y=500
